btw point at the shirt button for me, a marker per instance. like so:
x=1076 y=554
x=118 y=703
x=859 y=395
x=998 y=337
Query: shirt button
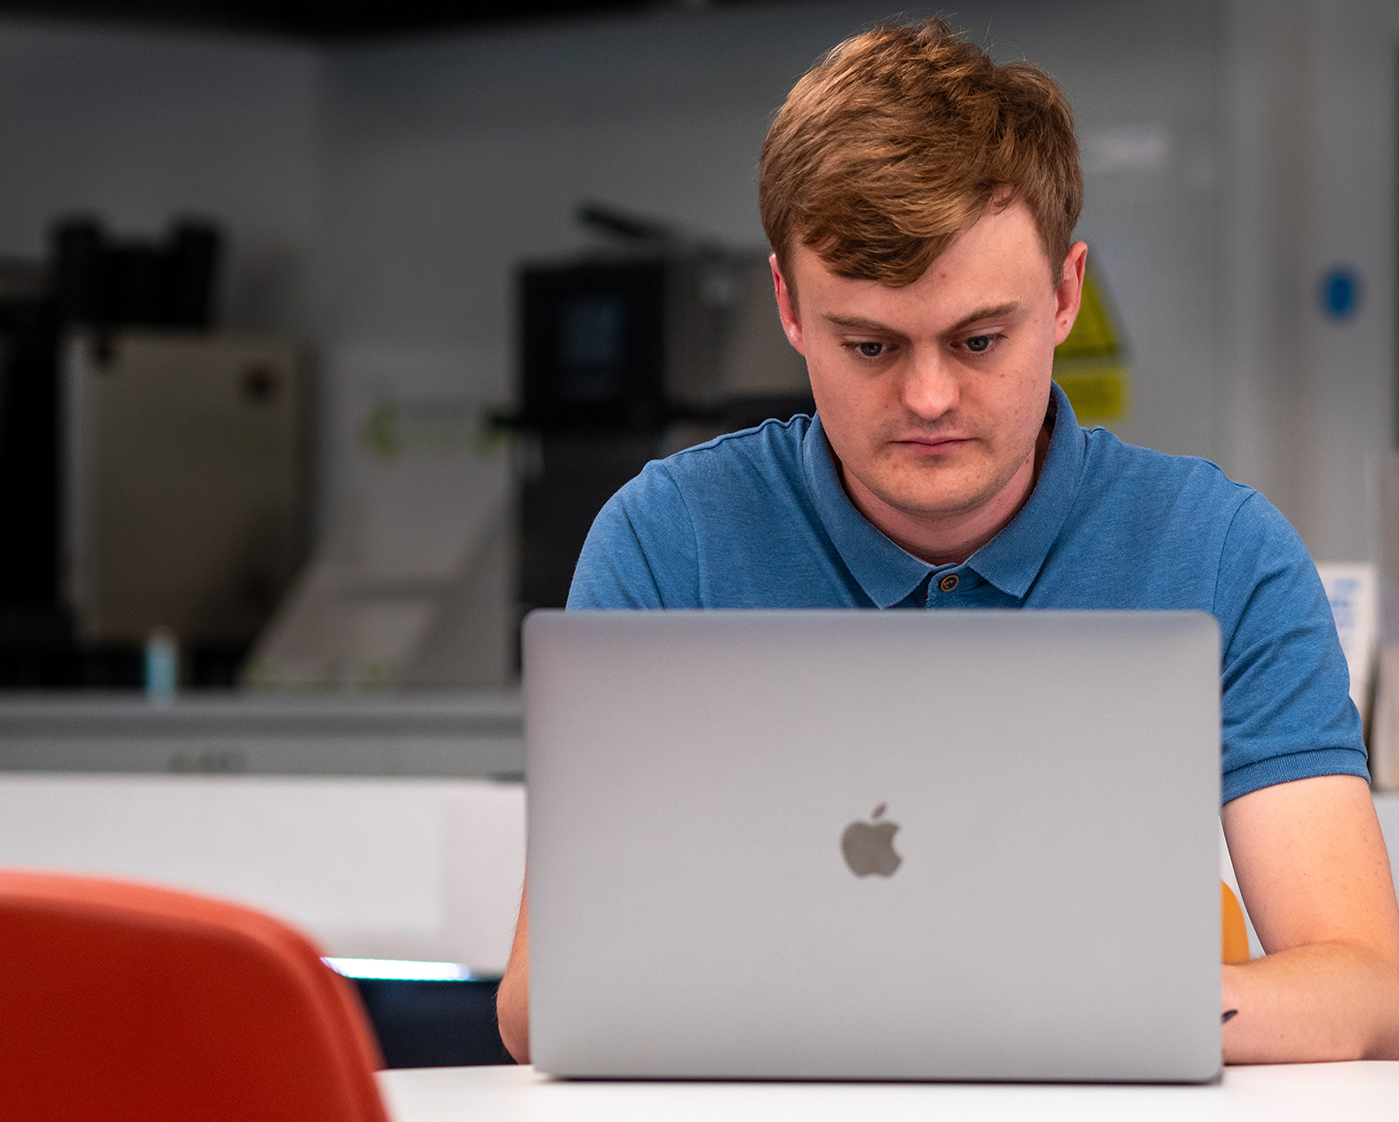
x=948 y=583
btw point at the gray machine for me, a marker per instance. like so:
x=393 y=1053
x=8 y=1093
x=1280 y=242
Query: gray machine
x=865 y=845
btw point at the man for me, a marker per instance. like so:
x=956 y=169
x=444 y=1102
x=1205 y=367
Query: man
x=920 y=203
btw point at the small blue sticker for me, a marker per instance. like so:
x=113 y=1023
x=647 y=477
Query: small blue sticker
x=1340 y=292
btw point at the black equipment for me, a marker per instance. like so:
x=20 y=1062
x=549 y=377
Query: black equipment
x=627 y=355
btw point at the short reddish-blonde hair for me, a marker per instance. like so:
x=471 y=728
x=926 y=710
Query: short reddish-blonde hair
x=900 y=139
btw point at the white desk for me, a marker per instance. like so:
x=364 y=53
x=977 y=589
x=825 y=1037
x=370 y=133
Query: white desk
x=1358 y=1092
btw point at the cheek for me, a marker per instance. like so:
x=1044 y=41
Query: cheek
x=848 y=404
x=1010 y=404
x=1027 y=367
x=1027 y=400
x=829 y=382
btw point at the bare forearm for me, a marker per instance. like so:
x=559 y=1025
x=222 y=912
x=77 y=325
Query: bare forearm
x=1315 y=877
x=1327 y=1001
x=512 y=999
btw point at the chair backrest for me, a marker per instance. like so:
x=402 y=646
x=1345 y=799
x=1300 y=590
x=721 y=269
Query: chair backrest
x=1235 y=932
x=121 y=1001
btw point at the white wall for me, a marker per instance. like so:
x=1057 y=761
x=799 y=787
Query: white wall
x=1310 y=132
x=139 y=126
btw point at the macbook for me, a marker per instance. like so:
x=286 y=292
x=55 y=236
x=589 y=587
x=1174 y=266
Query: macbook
x=976 y=845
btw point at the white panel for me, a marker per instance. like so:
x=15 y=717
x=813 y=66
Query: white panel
x=415 y=869
x=184 y=489
x=1227 y=875
x=1387 y=807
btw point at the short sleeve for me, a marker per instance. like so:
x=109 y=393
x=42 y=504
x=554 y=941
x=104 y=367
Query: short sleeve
x=640 y=551
x=1286 y=705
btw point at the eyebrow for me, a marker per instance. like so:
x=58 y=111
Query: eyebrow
x=859 y=323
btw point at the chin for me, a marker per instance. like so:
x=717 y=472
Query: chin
x=931 y=490
x=922 y=505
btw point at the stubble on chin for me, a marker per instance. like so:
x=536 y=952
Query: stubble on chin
x=936 y=488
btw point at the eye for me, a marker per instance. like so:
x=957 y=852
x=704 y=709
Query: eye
x=979 y=343
x=869 y=350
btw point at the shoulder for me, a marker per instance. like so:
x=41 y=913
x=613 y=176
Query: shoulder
x=761 y=455
x=1145 y=477
x=1161 y=531
x=755 y=468
x=1190 y=495
x=657 y=540
x=1182 y=506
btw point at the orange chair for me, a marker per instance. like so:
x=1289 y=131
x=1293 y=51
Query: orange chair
x=120 y=1001
x=1235 y=932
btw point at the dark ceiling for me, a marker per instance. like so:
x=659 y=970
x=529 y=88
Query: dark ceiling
x=333 y=19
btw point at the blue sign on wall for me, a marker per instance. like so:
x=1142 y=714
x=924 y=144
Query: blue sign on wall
x=1340 y=292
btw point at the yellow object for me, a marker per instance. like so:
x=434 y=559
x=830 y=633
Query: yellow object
x=1234 y=929
x=1089 y=363
x=1098 y=392
x=1092 y=335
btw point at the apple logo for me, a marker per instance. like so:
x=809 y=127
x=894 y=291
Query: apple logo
x=869 y=846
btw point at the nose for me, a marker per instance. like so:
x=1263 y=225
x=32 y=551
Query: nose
x=930 y=387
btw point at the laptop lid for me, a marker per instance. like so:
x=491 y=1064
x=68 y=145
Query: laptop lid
x=874 y=845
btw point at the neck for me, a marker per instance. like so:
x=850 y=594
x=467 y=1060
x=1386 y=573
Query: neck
x=952 y=538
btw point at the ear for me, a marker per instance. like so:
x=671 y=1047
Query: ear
x=1069 y=294
x=786 y=309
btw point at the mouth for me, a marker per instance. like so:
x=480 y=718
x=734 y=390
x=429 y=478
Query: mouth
x=932 y=445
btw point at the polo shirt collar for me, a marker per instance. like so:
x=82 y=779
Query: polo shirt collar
x=1011 y=560
x=887 y=572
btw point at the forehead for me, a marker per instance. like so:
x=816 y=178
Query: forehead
x=999 y=260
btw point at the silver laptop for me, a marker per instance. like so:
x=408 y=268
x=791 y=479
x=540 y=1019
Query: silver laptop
x=874 y=845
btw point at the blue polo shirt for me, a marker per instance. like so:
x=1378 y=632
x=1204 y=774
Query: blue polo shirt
x=759 y=519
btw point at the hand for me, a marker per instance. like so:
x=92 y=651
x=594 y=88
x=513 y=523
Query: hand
x=512 y=999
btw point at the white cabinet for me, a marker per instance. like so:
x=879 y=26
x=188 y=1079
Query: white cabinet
x=185 y=483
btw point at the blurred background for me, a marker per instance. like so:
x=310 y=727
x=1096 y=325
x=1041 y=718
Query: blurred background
x=325 y=329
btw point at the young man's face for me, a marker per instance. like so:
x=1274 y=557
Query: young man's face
x=932 y=396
